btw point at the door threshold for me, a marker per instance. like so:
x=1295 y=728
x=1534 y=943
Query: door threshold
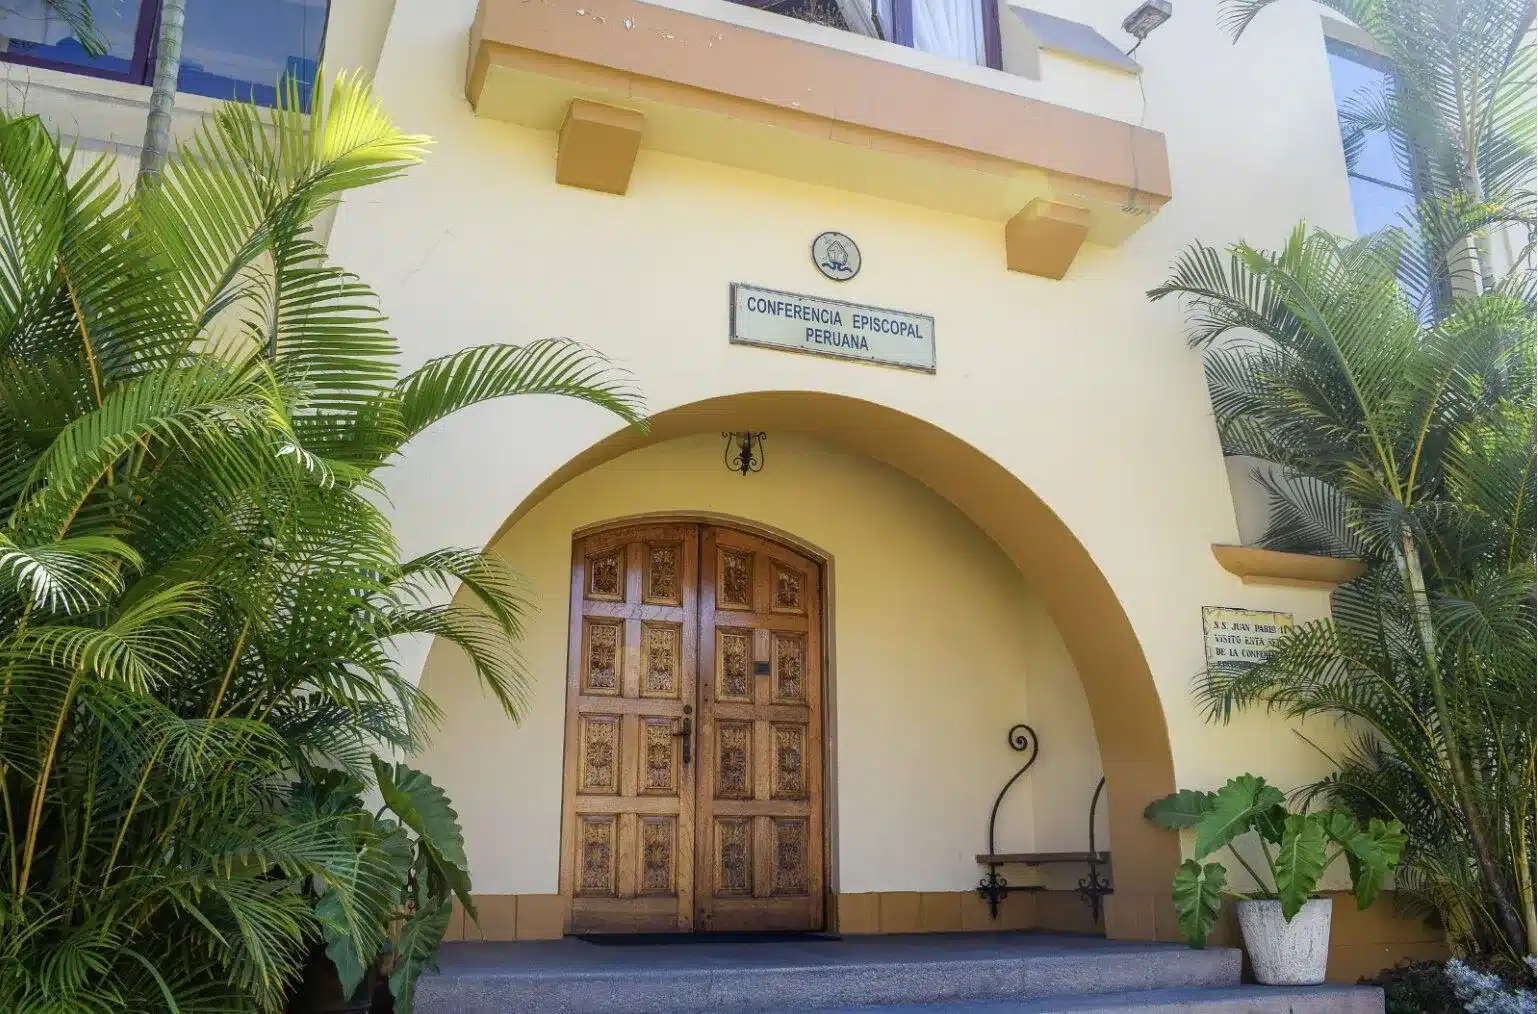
x=741 y=937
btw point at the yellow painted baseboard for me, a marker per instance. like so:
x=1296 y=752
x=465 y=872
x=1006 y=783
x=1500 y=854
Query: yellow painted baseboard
x=543 y=916
x=957 y=911
x=510 y=917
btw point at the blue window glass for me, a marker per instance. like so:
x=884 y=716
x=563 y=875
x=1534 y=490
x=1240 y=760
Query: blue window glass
x=240 y=49
x=1382 y=182
x=231 y=49
x=30 y=32
x=1376 y=205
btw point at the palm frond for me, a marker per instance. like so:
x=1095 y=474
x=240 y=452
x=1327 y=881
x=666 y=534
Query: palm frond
x=1235 y=16
x=67 y=575
x=498 y=666
x=454 y=382
x=499 y=589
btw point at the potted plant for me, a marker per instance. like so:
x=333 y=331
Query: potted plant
x=1286 y=926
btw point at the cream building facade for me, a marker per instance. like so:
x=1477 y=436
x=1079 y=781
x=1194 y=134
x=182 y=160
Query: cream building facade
x=1027 y=534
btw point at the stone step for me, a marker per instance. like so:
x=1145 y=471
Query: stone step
x=1231 y=1000
x=575 y=977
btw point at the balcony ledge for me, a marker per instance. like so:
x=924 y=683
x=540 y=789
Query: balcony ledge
x=1298 y=570
x=798 y=108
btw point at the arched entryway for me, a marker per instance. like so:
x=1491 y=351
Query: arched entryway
x=1123 y=700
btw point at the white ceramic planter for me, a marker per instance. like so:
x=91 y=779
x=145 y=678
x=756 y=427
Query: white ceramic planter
x=1287 y=953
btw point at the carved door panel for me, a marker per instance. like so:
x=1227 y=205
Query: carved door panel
x=758 y=823
x=627 y=855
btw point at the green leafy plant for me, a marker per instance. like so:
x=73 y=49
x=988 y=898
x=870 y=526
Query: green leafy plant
x=198 y=584
x=1386 y=388
x=1406 y=442
x=384 y=913
x=1297 y=849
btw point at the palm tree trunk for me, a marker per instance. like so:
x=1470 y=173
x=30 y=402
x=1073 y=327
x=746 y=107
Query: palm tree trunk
x=1468 y=262
x=1525 y=884
x=168 y=62
x=1511 y=922
x=1474 y=187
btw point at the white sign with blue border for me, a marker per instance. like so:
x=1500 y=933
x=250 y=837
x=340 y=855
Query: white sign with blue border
x=831 y=327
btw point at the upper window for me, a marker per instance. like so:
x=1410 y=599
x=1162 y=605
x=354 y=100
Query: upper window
x=231 y=49
x=1381 y=178
x=965 y=30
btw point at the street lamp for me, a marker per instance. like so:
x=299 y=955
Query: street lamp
x=1150 y=14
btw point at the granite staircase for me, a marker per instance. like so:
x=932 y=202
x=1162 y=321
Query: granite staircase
x=964 y=973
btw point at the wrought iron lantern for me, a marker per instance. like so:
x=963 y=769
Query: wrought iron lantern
x=744 y=452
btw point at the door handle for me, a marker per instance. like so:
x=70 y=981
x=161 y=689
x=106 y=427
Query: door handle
x=687 y=733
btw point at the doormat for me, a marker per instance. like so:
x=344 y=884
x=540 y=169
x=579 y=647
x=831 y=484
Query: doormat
x=638 y=939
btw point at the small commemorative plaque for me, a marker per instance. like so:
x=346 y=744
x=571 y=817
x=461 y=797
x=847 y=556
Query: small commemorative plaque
x=1242 y=635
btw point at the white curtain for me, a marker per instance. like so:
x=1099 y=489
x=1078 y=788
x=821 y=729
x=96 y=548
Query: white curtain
x=952 y=28
x=883 y=10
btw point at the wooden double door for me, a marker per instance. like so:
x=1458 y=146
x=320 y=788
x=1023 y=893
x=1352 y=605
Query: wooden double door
x=693 y=796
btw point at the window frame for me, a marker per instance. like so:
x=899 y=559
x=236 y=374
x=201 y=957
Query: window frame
x=140 y=64
x=141 y=68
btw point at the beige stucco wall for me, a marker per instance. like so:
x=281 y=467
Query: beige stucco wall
x=937 y=648
x=1081 y=389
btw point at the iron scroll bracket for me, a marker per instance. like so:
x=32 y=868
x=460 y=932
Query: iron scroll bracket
x=994 y=888
x=1022 y=739
x=1094 y=888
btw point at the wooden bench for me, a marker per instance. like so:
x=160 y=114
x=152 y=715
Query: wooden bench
x=994 y=889
x=1043 y=858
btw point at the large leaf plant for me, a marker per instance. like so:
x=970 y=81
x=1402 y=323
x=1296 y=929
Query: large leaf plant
x=386 y=927
x=1296 y=849
x=1396 y=430
x=198 y=585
